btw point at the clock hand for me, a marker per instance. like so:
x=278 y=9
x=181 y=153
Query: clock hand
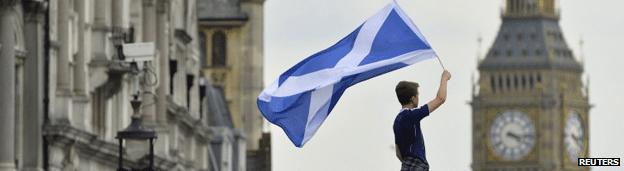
x=514 y=136
x=577 y=138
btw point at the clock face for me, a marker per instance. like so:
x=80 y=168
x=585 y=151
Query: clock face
x=512 y=135
x=573 y=136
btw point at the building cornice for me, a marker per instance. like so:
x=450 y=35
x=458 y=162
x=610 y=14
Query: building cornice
x=543 y=101
x=182 y=117
x=531 y=17
x=88 y=144
x=232 y=22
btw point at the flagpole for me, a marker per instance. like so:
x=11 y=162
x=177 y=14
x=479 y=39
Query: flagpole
x=440 y=61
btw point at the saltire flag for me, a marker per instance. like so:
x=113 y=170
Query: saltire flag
x=301 y=98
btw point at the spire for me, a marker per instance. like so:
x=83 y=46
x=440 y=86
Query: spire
x=530 y=8
x=582 y=52
x=474 y=84
x=479 y=44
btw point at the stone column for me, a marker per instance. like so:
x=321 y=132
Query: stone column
x=149 y=20
x=62 y=112
x=119 y=14
x=7 y=85
x=34 y=11
x=162 y=44
x=149 y=35
x=101 y=28
x=120 y=21
x=162 y=40
x=84 y=47
x=251 y=75
x=81 y=97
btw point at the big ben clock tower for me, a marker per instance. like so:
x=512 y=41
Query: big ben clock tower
x=531 y=110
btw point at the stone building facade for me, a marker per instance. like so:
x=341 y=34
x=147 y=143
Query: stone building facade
x=67 y=89
x=531 y=108
x=231 y=50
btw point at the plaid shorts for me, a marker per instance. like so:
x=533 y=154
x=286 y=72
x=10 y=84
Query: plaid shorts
x=414 y=164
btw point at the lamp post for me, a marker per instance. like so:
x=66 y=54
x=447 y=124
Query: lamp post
x=136 y=134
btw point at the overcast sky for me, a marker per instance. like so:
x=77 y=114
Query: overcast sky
x=358 y=133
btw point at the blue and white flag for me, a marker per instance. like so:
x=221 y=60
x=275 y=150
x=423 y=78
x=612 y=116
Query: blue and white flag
x=300 y=100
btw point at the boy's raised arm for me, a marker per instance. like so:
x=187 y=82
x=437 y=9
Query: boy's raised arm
x=441 y=95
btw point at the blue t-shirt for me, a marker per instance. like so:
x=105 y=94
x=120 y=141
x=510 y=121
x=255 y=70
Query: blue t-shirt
x=407 y=133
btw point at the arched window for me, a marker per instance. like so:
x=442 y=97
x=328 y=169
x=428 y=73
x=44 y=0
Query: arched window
x=524 y=81
x=219 y=47
x=493 y=83
x=515 y=82
x=500 y=82
x=508 y=80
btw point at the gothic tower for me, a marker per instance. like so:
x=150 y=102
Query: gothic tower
x=232 y=48
x=531 y=110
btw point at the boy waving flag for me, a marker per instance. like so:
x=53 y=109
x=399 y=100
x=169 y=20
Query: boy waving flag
x=301 y=98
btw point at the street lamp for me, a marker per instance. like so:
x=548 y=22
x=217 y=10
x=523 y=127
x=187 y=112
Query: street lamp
x=136 y=134
x=136 y=137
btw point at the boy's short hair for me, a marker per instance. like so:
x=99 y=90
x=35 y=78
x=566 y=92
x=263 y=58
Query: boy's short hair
x=405 y=90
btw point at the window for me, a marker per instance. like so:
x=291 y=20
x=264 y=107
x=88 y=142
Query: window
x=98 y=112
x=493 y=83
x=202 y=49
x=524 y=81
x=538 y=52
x=520 y=36
x=509 y=53
x=525 y=52
x=495 y=53
x=533 y=36
x=505 y=37
x=190 y=82
x=219 y=47
x=508 y=85
x=500 y=82
x=515 y=82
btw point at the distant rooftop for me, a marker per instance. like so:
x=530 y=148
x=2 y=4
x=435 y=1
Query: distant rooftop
x=530 y=38
x=218 y=112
